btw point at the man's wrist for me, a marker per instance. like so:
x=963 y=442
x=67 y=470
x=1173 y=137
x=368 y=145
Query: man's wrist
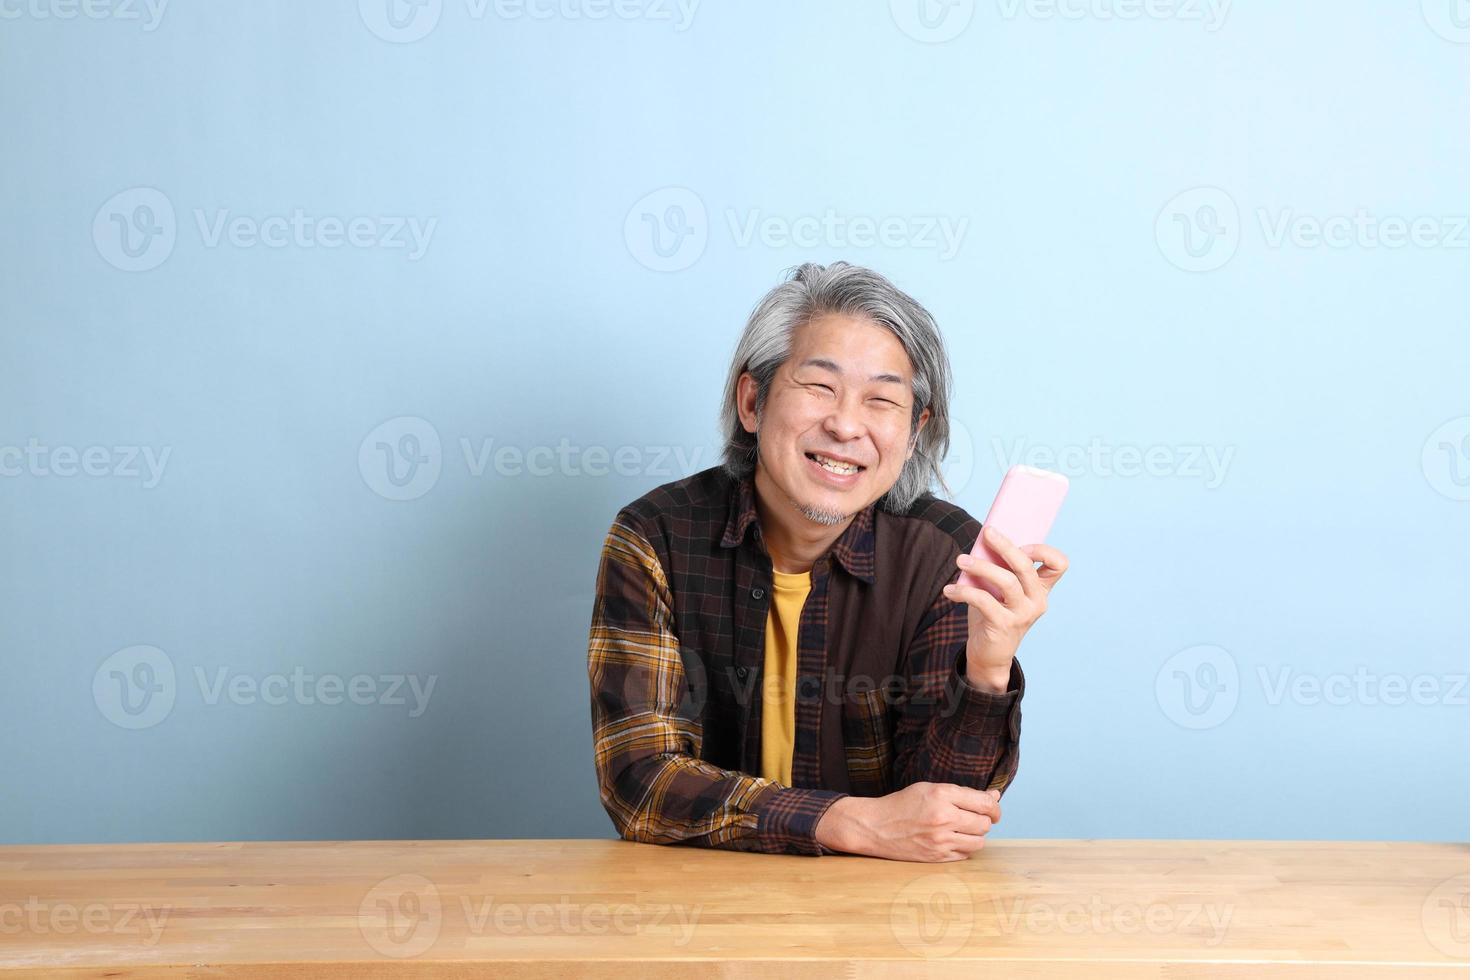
x=840 y=825
x=991 y=679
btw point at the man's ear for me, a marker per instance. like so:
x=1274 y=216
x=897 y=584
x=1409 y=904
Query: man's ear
x=914 y=439
x=745 y=396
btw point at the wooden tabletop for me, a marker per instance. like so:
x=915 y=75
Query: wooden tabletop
x=590 y=908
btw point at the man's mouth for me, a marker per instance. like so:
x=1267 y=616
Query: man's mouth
x=838 y=466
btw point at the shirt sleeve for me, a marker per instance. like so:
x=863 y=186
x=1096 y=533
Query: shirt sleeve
x=647 y=733
x=948 y=730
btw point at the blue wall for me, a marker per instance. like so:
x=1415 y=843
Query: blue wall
x=1209 y=259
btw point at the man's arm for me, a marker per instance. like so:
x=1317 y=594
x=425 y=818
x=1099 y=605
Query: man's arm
x=950 y=730
x=651 y=780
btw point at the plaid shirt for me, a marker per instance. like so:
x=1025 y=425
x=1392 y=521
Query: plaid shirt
x=677 y=647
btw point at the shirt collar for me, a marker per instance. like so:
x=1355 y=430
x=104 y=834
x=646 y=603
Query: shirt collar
x=853 y=549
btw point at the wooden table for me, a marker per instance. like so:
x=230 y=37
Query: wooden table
x=598 y=908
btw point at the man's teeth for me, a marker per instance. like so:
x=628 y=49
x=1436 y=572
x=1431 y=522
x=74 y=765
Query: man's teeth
x=833 y=465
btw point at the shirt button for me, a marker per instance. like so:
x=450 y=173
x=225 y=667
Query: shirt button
x=757 y=593
x=741 y=672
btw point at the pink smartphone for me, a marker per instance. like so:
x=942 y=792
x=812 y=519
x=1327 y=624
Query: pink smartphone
x=1024 y=509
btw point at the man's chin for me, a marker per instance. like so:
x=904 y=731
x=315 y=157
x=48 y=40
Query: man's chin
x=819 y=514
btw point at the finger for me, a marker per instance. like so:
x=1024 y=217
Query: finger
x=990 y=607
x=1016 y=558
x=1053 y=563
x=978 y=801
x=973 y=823
x=1002 y=578
x=967 y=844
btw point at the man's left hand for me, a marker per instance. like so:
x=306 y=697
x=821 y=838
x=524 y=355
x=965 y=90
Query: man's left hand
x=997 y=625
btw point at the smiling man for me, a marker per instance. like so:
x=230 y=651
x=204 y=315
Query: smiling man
x=778 y=658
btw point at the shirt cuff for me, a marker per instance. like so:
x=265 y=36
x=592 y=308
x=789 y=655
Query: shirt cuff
x=787 y=819
x=975 y=710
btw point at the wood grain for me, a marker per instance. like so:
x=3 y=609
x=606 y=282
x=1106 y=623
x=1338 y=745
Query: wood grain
x=580 y=908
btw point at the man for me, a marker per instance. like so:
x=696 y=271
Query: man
x=776 y=659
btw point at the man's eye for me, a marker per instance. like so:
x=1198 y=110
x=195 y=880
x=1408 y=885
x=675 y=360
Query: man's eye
x=815 y=385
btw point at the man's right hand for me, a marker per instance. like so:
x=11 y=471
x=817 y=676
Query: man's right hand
x=921 y=822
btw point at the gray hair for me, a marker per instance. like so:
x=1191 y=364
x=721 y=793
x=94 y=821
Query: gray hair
x=811 y=291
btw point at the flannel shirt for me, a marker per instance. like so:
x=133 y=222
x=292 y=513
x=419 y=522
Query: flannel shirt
x=676 y=651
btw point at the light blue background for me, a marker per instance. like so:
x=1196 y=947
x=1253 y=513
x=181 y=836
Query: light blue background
x=1334 y=542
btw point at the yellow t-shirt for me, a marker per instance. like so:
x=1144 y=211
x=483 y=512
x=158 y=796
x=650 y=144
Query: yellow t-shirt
x=778 y=695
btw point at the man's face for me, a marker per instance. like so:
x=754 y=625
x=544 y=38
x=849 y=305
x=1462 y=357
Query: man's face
x=844 y=396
